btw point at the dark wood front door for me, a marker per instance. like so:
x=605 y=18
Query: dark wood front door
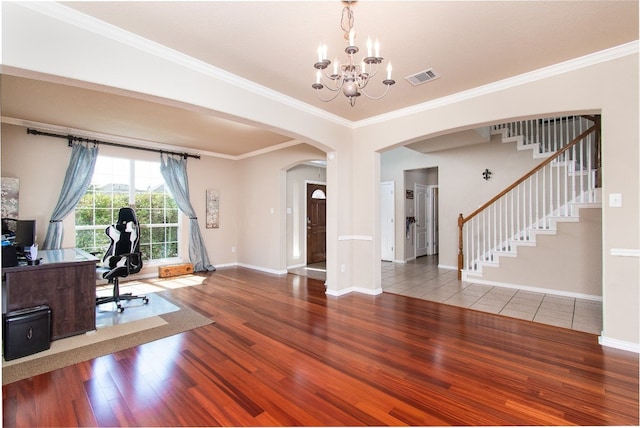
x=316 y=223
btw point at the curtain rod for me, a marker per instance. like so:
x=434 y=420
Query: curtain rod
x=71 y=138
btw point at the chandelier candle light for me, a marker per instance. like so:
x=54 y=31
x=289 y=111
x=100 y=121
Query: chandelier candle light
x=351 y=77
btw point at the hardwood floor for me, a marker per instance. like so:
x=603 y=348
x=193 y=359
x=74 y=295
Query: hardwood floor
x=283 y=353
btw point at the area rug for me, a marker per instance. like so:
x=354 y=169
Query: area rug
x=103 y=341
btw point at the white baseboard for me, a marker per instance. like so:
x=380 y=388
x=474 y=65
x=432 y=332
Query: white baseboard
x=338 y=293
x=299 y=265
x=262 y=269
x=224 y=265
x=551 y=291
x=368 y=291
x=619 y=344
x=448 y=267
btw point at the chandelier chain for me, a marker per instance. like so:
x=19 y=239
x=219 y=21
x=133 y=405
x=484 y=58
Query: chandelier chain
x=346 y=23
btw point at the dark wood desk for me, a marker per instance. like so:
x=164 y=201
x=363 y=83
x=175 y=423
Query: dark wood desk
x=65 y=280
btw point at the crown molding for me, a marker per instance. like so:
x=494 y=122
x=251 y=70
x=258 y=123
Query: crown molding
x=47 y=127
x=117 y=34
x=269 y=149
x=631 y=48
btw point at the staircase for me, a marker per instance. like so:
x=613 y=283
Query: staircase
x=554 y=192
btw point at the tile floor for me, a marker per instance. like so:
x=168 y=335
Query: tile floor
x=421 y=278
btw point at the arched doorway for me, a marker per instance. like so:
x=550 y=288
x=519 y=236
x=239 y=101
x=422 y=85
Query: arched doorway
x=306 y=248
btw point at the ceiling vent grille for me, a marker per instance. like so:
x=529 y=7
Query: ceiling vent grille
x=422 y=77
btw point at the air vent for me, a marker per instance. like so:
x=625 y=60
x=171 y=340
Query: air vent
x=422 y=77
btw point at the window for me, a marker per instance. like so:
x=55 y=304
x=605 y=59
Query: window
x=318 y=194
x=119 y=183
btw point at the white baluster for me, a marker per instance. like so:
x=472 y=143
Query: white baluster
x=476 y=241
x=591 y=185
x=546 y=194
x=495 y=228
x=500 y=222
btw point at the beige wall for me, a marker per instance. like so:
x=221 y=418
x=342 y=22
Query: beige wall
x=222 y=175
x=40 y=164
x=263 y=200
x=567 y=263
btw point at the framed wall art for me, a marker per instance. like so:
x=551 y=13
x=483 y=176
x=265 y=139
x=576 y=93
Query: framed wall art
x=10 y=188
x=213 y=208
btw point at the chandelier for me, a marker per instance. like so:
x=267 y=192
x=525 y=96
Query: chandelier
x=351 y=77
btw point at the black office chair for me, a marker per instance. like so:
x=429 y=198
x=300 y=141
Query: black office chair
x=123 y=256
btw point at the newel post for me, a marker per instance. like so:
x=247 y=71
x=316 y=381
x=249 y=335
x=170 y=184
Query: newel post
x=460 y=249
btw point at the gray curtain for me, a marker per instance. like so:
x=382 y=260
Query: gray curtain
x=174 y=172
x=77 y=179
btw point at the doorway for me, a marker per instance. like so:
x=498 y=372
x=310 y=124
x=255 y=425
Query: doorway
x=421 y=213
x=426 y=209
x=316 y=223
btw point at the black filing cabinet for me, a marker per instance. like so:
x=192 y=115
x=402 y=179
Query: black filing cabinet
x=26 y=331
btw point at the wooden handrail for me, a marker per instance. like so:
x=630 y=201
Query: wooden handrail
x=530 y=173
x=462 y=220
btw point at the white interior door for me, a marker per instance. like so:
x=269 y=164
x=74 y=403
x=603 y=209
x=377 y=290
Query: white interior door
x=387 y=220
x=421 y=199
x=432 y=220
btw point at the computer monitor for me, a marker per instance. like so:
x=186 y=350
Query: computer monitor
x=25 y=233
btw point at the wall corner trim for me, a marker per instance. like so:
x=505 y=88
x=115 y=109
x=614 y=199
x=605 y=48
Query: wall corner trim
x=619 y=344
x=355 y=238
x=368 y=291
x=625 y=252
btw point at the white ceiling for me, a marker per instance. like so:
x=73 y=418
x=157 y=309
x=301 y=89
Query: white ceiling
x=274 y=43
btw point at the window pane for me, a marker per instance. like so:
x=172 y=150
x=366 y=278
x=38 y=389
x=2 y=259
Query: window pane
x=143 y=215
x=172 y=249
x=102 y=240
x=87 y=200
x=145 y=235
x=84 y=239
x=104 y=216
x=120 y=200
x=157 y=234
x=157 y=200
x=157 y=251
x=172 y=234
x=318 y=194
x=157 y=216
x=84 y=217
x=146 y=251
x=172 y=216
